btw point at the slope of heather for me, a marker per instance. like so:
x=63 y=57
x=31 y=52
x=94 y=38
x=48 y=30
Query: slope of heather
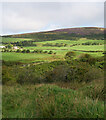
x=68 y=34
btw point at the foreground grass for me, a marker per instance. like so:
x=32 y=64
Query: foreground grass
x=49 y=101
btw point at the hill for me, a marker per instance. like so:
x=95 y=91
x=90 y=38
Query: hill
x=67 y=34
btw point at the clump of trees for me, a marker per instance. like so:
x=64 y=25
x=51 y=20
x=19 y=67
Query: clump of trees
x=70 y=55
x=20 y=43
x=77 y=73
x=87 y=58
x=55 y=45
x=57 y=71
x=25 y=43
x=28 y=51
x=9 y=46
x=90 y=43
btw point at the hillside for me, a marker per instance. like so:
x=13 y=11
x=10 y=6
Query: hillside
x=68 y=34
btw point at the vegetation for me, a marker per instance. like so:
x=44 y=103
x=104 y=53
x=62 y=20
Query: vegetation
x=70 y=55
x=49 y=101
x=56 y=74
x=67 y=34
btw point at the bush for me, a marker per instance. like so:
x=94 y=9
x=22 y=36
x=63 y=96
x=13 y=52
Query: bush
x=50 y=52
x=27 y=51
x=70 y=55
x=7 y=76
x=28 y=76
x=9 y=46
x=87 y=58
x=45 y=51
x=70 y=73
x=58 y=74
x=18 y=51
x=24 y=51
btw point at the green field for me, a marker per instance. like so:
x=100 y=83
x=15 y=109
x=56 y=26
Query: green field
x=88 y=47
x=28 y=58
x=35 y=57
x=8 y=40
x=53 y=85
x=70 y=42
x=60 y=51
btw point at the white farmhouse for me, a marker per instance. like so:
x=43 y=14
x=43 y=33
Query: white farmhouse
x=2 y=46
x=15 y=47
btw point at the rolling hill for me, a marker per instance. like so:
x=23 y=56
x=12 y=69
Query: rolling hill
x=68 y=34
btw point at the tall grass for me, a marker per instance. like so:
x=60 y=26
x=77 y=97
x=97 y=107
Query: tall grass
x=48 y=101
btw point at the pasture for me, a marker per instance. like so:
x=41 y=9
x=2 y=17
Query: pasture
x=71 y=42
x=9 y=40
x=71 y=45
x=29 y=57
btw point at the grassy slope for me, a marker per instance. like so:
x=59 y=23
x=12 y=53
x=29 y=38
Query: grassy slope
x=51 y=101
x=70 y=42
x=8 y=40
x=92 y=32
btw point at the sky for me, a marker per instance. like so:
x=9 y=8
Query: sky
x=25 y=17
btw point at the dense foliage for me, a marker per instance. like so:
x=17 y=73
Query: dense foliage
x=85 y=68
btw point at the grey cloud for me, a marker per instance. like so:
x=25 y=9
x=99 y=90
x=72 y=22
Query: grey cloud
x=27 y=17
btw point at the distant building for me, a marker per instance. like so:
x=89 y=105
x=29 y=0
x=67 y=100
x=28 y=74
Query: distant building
x=2 y=46
x=15 y=47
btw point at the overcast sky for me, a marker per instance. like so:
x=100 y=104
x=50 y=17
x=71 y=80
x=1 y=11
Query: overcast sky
x=26 y=17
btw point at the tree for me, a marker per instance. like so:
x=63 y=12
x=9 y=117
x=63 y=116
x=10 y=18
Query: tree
x=70 y=55
x=50 y=52
x=27 y=51
x=9 y=46
x=87 y=58
x=24 y=51
x=18 y=50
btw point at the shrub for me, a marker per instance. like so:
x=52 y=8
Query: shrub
x=18 y=51
x=70 y=55
x=45 y=51
x=71 y=73
x=50 y=52
x=28 y=76
x=87 y=58
x=9 y=46
x=6 y=76
x=24 y=51
x=27 y=51
x=58 y=74
x=41 y=51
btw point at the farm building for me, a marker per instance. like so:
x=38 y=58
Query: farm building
x=2 y=46
x=15 y=47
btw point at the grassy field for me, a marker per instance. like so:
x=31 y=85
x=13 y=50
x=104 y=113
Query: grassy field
x=8 y=40
x=38 y=57
x=61 y=51
x=56 y=88
x=29 y=57
x=71 y=42
x=51 y=101
x=88 y=47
